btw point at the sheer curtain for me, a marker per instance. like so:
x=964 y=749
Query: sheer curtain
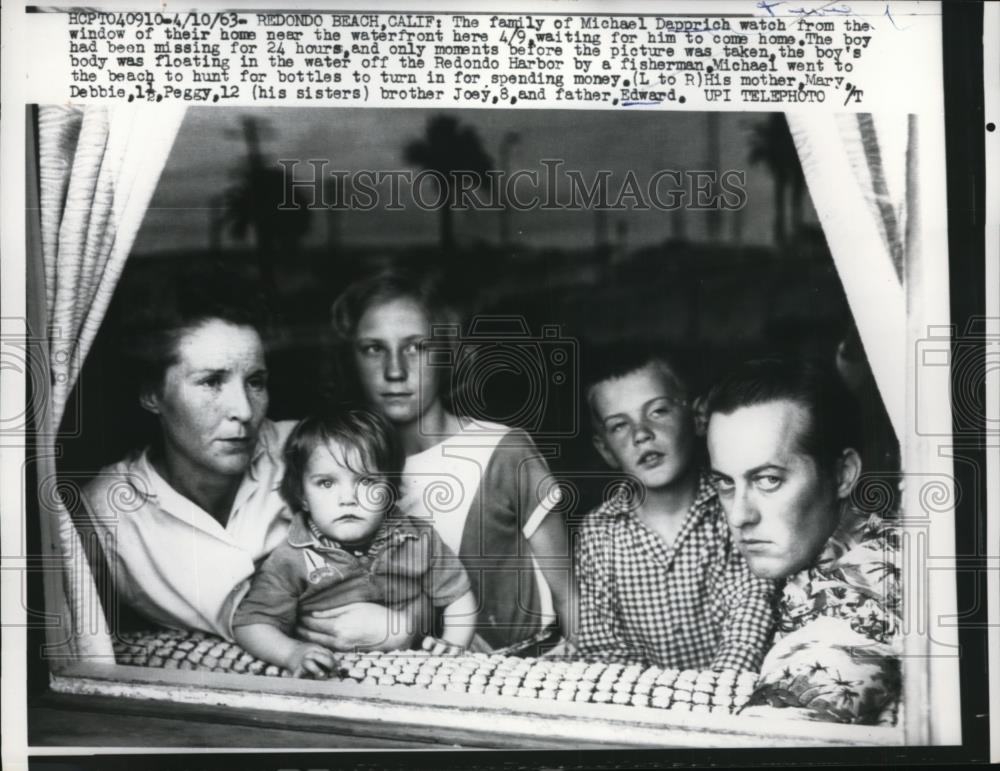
x=98 y=166
x=855 y=167
x=878 y=183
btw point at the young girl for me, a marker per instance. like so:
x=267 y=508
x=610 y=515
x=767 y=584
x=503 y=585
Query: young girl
x=347 y=543
x=485 y=487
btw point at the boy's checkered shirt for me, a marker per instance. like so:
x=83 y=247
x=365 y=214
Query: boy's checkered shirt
x=694 y=605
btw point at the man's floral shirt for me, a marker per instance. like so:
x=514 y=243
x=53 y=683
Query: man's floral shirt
x=837 y=646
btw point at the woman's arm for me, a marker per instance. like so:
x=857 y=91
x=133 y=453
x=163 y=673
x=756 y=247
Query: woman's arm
x=542 y=522
x=550 y=546
x=460 y=621
x=274 y=646
x=361 y=626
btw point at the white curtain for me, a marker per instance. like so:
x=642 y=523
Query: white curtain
x=98 y=168
x=855 y=167
x=878 y=183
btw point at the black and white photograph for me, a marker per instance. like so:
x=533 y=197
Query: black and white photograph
x=632 y=428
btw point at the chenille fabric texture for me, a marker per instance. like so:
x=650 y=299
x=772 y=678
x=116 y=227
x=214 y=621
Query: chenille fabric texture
x=692 y=605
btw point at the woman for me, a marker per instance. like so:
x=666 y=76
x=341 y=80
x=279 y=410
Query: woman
x=486 y=488
x=183 y=521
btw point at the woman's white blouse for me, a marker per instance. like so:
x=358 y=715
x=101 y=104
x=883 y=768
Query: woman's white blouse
x=170 y=559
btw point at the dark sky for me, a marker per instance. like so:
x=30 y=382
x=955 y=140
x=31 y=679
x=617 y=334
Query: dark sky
x=210 y=147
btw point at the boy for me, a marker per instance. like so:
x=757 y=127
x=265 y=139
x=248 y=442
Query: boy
x=661 y=582
x=347 y=543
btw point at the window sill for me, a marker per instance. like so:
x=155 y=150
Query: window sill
x=399 y=712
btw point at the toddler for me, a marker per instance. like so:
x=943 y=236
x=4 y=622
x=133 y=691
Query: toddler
x=347 y=543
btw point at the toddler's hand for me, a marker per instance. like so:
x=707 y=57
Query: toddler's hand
x=309 y=659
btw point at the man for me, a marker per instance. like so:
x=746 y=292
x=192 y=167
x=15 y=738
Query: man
x=781 y=440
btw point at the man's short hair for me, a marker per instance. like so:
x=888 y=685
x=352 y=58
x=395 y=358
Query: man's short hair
x=614 y=362
x=833 y=414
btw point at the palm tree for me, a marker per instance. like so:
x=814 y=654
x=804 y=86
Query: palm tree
x=447 y=148
x=772 y=145
x=258 y=202
x=510 y=139
x=715 y=163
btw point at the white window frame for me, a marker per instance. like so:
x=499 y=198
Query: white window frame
x=931 y=714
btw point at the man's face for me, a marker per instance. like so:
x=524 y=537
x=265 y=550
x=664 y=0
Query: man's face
x=644 y=426
x=781 y=506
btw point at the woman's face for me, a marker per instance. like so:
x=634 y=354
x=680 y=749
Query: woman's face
x=212 y=400
x=392 y=362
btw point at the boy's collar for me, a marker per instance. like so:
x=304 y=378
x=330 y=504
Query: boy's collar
x=706 y=490
x=624 y=500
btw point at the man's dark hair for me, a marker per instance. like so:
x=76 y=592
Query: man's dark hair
x=614 y=362
x=349 y=427
x=833 y=415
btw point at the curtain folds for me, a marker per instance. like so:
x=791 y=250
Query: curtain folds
x=878 y=183
x=98 y=168
x=855 y=166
